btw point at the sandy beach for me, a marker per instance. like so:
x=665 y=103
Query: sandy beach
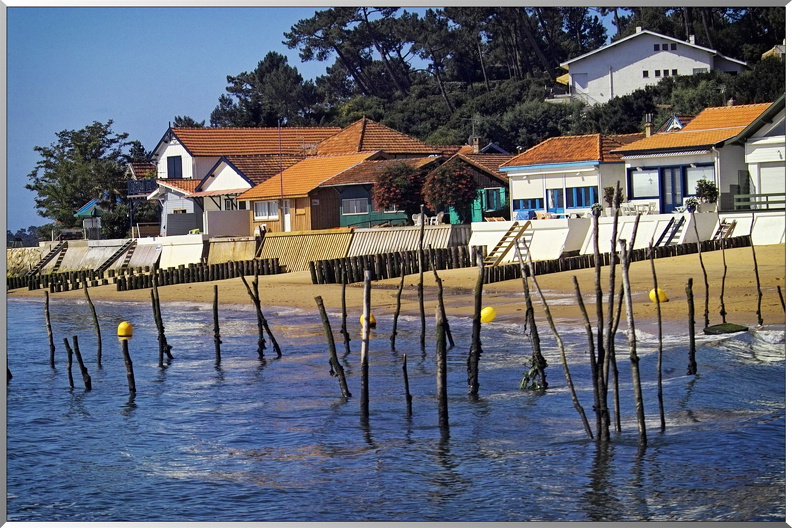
x=739 y=298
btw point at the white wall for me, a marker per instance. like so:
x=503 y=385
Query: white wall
x=549 y=238
x=224 y=177
x=182 y=249
x=174 y=148
x=769 y=227
x=228 y=223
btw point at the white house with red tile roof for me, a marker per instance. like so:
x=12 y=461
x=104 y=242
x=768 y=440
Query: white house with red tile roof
x=664 y=168
x=564 y=175
x=637 y=61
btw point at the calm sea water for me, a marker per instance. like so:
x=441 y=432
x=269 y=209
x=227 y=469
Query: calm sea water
x=274 y=441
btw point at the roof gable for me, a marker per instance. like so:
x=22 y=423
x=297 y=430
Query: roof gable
x=366 y=135
x=709 y=128
x=642 y=34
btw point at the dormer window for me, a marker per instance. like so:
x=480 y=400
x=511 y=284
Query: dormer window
x=174 y=167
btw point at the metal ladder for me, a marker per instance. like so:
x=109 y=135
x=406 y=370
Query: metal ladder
x=59 y=250
x=672 y=232
x=127 y=248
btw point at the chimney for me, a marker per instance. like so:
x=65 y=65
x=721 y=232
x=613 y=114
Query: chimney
x=638 y=29
x=648 y=124
x=692 y=39
x=476 y=145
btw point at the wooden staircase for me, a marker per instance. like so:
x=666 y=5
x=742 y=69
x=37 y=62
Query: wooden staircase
x=724 y=230
x=506 y=243
x=59 y=251
x=127 y=248
x=672 y=232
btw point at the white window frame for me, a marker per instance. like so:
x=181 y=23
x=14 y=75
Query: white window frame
x=265 y=210
x=359 y=205
x=393 y=209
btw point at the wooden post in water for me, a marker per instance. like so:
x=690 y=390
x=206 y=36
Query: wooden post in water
x=599 y=355
x=440 y=303
x=96 y=326
x=264 y=322
x=692 y=367
x=723 y=280
x=344 y=330
x=335 y=366
x=259 y=317
x=756 y=271
x=634 y=359
x=421 y=280
x=398 y=306
x=407 y=394
x=165 y=348
x=49 y=329
x=781 y=296
x=567 y=375
x=659 y=340
x=442 y=371
x=216 y=318
x=364 y=347
x=475 y=342
x=538 y=362
x=69 y=354
x=603 y=432
x=128 y=363
x=703 y=271
x=84 y=371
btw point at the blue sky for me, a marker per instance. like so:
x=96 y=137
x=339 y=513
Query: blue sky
x=68 y=67
x=139 y=66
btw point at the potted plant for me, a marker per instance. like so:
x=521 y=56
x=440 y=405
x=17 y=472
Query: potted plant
x=707 y=193
x=609 y=197
x=692 y=203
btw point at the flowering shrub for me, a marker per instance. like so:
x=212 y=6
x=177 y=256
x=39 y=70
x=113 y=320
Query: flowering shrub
x=400 y=186
x=450 y=186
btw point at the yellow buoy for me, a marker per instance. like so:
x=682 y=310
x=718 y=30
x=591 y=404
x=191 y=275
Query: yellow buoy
x=488 y=314
x=125 y=331
x=372 y=320
x=660 y=294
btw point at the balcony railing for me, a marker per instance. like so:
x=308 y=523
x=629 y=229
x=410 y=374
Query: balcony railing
x=759 y=201
x=139 y=187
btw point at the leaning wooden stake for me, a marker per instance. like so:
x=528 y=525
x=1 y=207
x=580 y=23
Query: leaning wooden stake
x=398 y=307
x=262 y=344
x=165 y=348
x=538 y=362
x=781 y=296
x=603 y=432
x=600 y=356
x=756 y=271
x=659 y=340
x=442 y=371
x=364 y=347
x=264 y=322
x=344 y=331
x=723 y=281
x=692 y=367
x=475 y=341
x=703 y=271
x=216 y=318
x=335 y=366
x=49 y=329
x=83 y=370
x=407 y=394
x=421 y=280
x=69 y=354
x=634 y=359
x=440 y=303
x=96 y=326
x=567 y=375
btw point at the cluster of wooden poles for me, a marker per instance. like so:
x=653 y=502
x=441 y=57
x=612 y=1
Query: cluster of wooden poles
x=601 y=346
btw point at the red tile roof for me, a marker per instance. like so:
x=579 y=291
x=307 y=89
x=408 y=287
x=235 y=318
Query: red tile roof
x=570 y=149
x=259 y=168
x=140 y=169
x=487 y=162
x=368 y=171
x=707 y=129
x=224 y=141
x=180 y=184
x=366 y=135
x=301 y=178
